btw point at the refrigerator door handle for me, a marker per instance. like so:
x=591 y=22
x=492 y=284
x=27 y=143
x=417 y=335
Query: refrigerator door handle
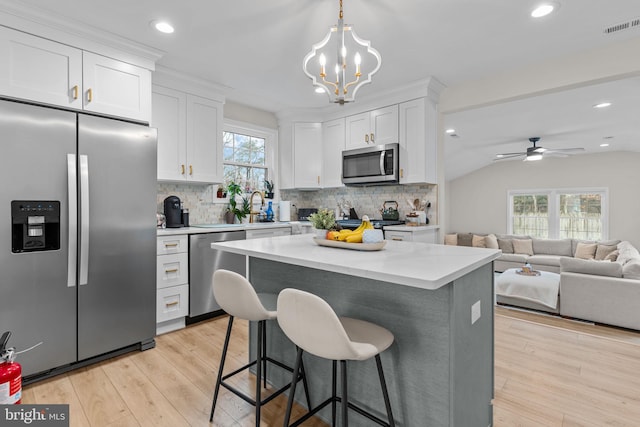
x=84 y=219
x=72 y=195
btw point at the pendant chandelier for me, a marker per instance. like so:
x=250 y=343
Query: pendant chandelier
x=341 y=78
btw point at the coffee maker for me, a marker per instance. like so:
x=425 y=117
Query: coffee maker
x=173 y=212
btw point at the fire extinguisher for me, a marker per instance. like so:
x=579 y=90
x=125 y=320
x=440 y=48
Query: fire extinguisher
x=10 y=374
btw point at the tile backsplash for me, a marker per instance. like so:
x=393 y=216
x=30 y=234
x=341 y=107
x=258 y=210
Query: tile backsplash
x=205 y=208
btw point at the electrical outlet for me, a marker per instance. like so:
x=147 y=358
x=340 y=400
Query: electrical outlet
x=475 y=312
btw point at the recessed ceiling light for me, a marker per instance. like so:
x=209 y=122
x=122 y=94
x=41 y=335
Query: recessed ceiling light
x=602 y=105
x=319 y=90
x=450 y=131
x=604 y=145
x=543 y=10
x=499 y=156
x=162 y=26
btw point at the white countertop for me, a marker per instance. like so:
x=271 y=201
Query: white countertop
x=421 y=265
x=218 y=228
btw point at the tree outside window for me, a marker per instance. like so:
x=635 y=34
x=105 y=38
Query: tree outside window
x=244 y=161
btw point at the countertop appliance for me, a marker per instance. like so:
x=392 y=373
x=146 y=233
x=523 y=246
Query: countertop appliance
x=303 y=213
x=78 y=253
x=374 y=165
x=203 y=261
x=173 y=212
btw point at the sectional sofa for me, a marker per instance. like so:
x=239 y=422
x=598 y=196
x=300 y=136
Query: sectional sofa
x=599 y=280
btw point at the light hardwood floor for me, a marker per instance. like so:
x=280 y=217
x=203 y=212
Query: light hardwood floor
x=549 y=372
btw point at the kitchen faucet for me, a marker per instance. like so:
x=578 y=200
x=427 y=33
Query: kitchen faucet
x=252 y=212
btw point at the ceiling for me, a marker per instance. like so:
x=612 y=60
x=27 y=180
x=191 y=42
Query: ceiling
x=254 y=50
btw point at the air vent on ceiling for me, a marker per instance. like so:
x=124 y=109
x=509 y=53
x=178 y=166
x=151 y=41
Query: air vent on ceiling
x=632 y=23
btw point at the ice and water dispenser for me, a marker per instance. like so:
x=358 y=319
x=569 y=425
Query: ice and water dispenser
x=35 y=225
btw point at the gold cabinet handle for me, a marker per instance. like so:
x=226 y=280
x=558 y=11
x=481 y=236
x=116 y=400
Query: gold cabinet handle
x=170 y=245
x=371 y=138
x=190 y=169
x=318 y=179
x=171 y=270
x=75 y=92
x=401 y=173
x=89 y=95
x=182 y=169
x=399 y=239
x=171 y=304
x=366 y=138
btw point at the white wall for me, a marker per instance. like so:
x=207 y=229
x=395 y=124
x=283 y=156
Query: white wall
x=246 y=114
x=477 y=202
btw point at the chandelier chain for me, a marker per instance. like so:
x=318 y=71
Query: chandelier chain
x=341 y=15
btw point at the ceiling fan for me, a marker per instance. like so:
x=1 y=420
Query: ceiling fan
x=536 y=153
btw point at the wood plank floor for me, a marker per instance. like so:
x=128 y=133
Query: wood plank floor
x=549 y=372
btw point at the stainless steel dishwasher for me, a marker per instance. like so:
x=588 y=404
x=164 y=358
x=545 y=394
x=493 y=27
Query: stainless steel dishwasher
x=203 y=261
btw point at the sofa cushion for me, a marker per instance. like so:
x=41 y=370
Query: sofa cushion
x=603 y=250
x=522 y=246
x=613 y=256
x=631 y=270
x=586 y=250
x=478 y=241
x=543 y=259
x=519 y=258
x=585 y=266
x=574 y=245
x=512 y=236
x=491 y=241
x=464 y=239
x=451 y=239
x=627 y=252
x=552 y=247
x=505 y=245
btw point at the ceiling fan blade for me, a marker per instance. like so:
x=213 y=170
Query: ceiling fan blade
x=510 y=156
x=565 y=150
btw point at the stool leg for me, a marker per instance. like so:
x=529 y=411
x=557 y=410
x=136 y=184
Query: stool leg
x=258 y=371
x=345 y=401
x=222 y=359
x=305 y=384
x=292 y=391
x=385 y=393
x=264 y=353
x=334 y=394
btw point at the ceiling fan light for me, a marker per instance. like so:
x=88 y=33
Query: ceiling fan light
x=542 y=10
x=533 y=157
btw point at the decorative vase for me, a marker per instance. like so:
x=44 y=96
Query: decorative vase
x=229 y=217
x=268 y=195
x=320 y=233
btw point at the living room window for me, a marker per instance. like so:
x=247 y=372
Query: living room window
x=559 y=213
x=247 y=155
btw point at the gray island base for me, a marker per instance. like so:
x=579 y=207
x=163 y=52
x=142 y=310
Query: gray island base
x=439 y=370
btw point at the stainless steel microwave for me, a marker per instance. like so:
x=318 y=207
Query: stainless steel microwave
x=375 y=165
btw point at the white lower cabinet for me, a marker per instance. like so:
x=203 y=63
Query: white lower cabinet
x=172 y=283
x=419 y=235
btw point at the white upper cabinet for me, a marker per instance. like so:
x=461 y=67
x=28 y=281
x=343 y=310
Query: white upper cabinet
x=41 y=70
x=189 y=136
x=418 y=142
x=372 y=128
x=333 y=143
x=307 y=155
x=116 y=88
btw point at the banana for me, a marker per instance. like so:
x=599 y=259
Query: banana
x=356 y=235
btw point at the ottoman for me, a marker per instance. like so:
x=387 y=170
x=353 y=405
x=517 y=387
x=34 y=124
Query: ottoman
x=535 y=292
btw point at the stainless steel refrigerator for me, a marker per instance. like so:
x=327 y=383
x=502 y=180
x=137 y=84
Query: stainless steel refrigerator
x=77 y=235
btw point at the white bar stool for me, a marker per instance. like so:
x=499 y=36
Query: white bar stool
x=238 y=298
x=314 y=327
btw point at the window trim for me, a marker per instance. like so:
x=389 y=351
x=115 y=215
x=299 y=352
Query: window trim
x=554 y=202
x=270 y=142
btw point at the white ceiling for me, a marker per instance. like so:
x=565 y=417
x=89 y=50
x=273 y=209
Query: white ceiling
x=254 y=49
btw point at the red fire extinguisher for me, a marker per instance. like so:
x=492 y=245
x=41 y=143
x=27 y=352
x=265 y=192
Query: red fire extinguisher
x=10 y=374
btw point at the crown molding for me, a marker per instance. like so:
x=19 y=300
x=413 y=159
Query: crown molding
x=43 y=23
x=173 y=79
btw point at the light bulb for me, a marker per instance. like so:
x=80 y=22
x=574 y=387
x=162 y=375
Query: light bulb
x=323 y=59
x=542 y=10
x=343 y=51
x=358 y=58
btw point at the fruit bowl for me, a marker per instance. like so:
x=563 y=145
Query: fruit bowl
x=352 y=246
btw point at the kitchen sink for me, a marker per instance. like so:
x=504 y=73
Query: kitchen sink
x=217 y=225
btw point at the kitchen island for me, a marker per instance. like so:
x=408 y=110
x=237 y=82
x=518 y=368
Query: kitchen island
x=437 y=301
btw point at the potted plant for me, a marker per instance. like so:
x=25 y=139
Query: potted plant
x=234 y=210
x=269 y=186
x=322 y=221
x=220 y=192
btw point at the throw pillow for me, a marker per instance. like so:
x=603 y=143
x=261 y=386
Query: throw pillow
x=478 y=241
x=631 y=269
x=627 y=252
x=491 y=241
x=613 y=256
x=522 y=246
x=464 y=239
x=505 y=245
x=451 y=239
x=586 y=250
x=603 y=250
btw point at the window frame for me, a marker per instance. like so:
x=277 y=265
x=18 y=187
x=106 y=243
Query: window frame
x=270 y=137
x=553 y=195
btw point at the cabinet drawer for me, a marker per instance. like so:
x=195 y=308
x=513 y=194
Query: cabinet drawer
x=172 y=303
x=398 y=235
x=172 y=270
x=269 y=232
x=173 y=244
